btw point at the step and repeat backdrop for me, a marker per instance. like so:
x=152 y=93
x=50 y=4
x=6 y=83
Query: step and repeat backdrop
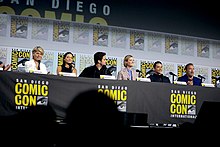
x=19 y=35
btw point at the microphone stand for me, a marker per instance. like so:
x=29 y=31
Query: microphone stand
x=201 y=79
x=217 y=79
x=172 y=74
x=173 y=79
x=139 y=73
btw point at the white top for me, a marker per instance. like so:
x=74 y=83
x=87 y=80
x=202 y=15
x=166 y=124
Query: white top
x=30 y=66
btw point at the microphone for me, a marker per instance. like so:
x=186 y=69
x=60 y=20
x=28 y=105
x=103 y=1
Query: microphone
x=71 y=64
x=200 y=76
x=173 y=74
x=38 y=65
x=137 y=70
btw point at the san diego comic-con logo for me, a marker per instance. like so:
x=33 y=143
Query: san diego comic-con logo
x=182 y=104
x=117 y=93
x=29 y=93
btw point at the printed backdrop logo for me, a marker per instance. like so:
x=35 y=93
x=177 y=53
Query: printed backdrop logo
x=100 y=36
x=48 y=61
x=117 y=93
x=171 y=44
x=118 y=38
x=40 y=29
x=19 y=27
x=81 y=34
x=145 y=67
x=85 y=61
x=137 y=40
x=154 y=42
x=181 y=70
x=215 y=75
x=203 y=48
x=30 y=93
x=61 y=31
x=18 y=59
x=182 y=104
x=111 y=64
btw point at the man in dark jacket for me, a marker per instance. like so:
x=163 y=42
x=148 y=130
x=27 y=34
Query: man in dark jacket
x=157 y=76
x=189 y=77
x=98 y=69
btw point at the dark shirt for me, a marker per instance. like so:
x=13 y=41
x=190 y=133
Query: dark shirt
x=196 y=81
x=159 y=78
x=64 y=69
x=94 y=72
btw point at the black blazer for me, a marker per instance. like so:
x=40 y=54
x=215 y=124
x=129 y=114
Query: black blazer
x=94 y=72
x=159 y=78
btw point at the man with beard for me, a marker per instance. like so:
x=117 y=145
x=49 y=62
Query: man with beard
x=189 y=77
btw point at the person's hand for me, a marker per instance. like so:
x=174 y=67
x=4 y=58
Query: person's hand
x=190 y=83
x=7 y=67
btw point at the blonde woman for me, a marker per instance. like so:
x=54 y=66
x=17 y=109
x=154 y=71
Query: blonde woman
x=128 y=73
x=35 y=64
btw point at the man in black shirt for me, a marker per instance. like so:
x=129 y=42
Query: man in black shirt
x=158 y=76
x=98 y=69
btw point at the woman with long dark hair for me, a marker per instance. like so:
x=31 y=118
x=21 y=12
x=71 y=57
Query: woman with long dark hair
x=68 y=65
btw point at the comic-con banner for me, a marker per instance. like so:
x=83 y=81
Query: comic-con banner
x=216 y=50
x=203 y=71
x=173 y=104
x=61 y=31
x=154 y=42
x=203 y=48
x=111 y=64
x=215 y=76
x=167 y=68
x=137 y=40
x=183 y=103
x=145 y=67
x=171 y=44
x=18 y=59
x=136 y=14
x=187 y=46
x=88 y=11
x=85 y=60
x=118 y=93
x=40 y=28
x=118 y=38
x=81 y=34
x=19 y=27
x=30 y=93
x=100 y=36
x=181 y=70
x=48 y=60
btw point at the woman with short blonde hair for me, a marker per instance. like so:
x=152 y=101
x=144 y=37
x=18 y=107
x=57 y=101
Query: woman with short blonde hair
x=35 y=64
x=128 y=73
x=38 y=49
